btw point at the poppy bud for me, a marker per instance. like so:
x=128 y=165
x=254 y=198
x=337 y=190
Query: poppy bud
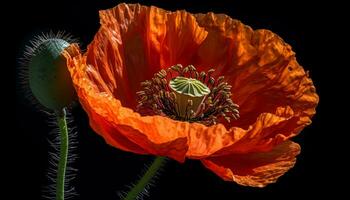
x=49 y=79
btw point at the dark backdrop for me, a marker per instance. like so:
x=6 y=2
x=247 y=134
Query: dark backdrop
x=104 y=170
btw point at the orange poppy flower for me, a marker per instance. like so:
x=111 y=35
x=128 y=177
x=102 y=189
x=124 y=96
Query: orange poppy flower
x=276 y=98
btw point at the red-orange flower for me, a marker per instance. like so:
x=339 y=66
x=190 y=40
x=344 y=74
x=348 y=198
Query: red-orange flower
x=275 y=95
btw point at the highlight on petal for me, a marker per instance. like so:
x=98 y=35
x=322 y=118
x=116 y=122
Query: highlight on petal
x=228 y=45
x=255 y=169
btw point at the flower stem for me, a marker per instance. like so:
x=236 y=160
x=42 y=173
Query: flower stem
x=62 y=163
x=145 y=179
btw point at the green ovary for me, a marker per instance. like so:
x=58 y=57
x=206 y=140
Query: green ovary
x=189 y=95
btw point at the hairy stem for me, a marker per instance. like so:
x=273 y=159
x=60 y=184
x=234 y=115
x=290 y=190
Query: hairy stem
x=145 y=179
x=62 y=163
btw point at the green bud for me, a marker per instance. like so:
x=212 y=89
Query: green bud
x=49 y=78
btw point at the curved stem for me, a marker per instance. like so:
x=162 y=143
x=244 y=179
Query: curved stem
x=142 y=183
x=62 y=163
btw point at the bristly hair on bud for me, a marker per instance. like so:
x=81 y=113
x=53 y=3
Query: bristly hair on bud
x=36 y=50
x=30 y=49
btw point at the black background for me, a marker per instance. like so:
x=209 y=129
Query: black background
x=104 y=170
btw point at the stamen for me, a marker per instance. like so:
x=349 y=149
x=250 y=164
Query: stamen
x=189 y=96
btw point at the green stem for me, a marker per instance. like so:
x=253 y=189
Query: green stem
x=62 y=163
x=142 y=183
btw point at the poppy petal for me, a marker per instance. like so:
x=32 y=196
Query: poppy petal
x=227 y=46
x=259 y=65
x=107 y=77
x=99 y=124
x=275 y=80
x=120 y=126
x=166 y=137
x=134 y=42
x=268 y=131
x=255 y=169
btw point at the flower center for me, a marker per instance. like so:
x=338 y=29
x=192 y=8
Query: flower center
x=189 y=96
